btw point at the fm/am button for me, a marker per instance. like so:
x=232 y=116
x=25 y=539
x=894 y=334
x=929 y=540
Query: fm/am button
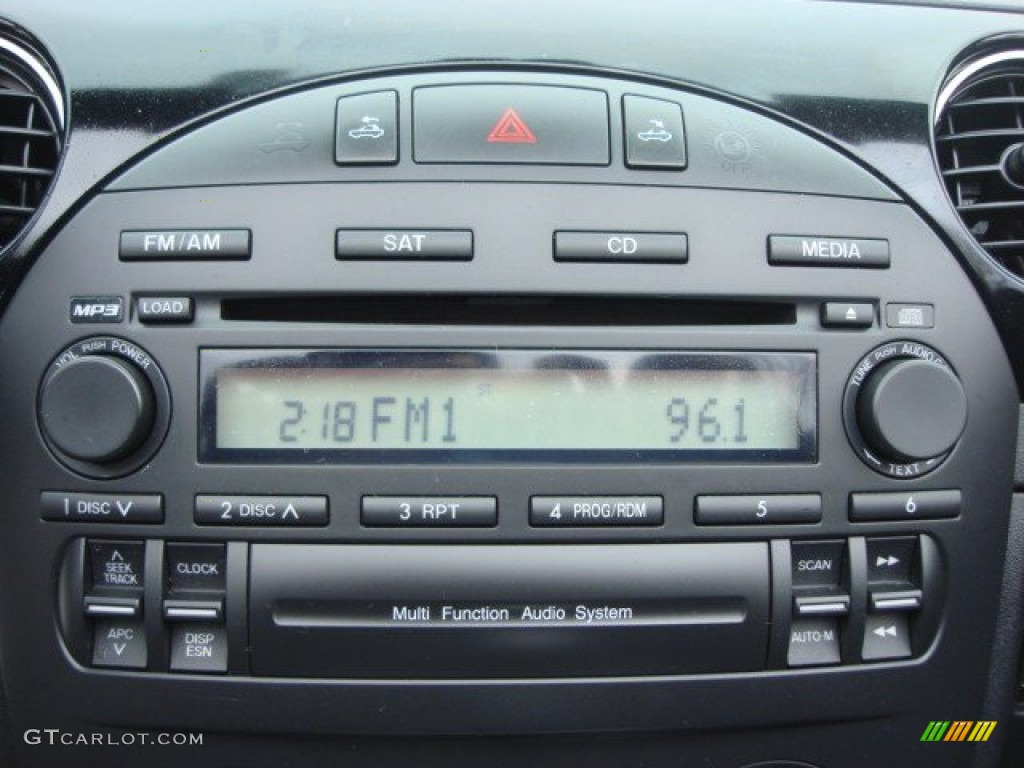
x=595 y=511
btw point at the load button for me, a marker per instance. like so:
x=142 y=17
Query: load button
x=165 y=309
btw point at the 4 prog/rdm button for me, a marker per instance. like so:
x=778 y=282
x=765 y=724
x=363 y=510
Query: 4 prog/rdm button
x=595 y=511
x=277 y=511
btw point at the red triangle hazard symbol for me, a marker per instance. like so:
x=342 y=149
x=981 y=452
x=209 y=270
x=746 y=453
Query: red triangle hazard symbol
x=511 y=129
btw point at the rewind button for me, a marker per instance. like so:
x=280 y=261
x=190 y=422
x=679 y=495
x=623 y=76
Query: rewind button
x=886 y=637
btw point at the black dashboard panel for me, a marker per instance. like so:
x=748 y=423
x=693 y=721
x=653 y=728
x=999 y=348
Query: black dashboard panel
x=509 y=383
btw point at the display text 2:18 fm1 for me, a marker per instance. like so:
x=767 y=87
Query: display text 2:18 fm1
x=388 y=419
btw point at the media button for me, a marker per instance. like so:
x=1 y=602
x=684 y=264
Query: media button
x=779 y=509
x=262 y=511
x=595 y=511
x=430 y=511
x=812 y=251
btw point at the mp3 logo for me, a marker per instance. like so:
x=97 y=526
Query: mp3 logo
x=97 y=309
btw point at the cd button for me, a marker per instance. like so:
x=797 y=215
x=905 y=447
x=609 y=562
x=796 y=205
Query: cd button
x=595 y=511
x=758 y=510
x=430 y=511
x=626 y=247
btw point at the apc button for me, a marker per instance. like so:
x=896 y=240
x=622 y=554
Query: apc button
x=165 y=309
x=626 y=247
x=119 y=643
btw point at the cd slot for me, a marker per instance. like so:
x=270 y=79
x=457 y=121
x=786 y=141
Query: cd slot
x=443 y=612
x=394 y=309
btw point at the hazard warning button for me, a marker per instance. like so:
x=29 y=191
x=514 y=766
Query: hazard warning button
x=532 y=124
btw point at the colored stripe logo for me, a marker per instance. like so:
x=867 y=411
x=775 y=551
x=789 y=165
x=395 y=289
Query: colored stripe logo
x=958 y=730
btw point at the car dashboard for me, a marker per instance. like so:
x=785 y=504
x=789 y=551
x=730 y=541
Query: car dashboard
x=512 y=383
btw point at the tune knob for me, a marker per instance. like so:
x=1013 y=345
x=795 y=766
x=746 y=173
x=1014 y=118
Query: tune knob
x=908 y=408
x=96 y=409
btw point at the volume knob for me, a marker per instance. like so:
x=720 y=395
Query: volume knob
x=911 y=410
x=96 y=409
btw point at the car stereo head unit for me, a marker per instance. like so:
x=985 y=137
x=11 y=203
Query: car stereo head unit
x=477 y=406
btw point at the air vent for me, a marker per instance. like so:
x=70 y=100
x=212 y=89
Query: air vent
x=31 y=124
x=979 y=142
